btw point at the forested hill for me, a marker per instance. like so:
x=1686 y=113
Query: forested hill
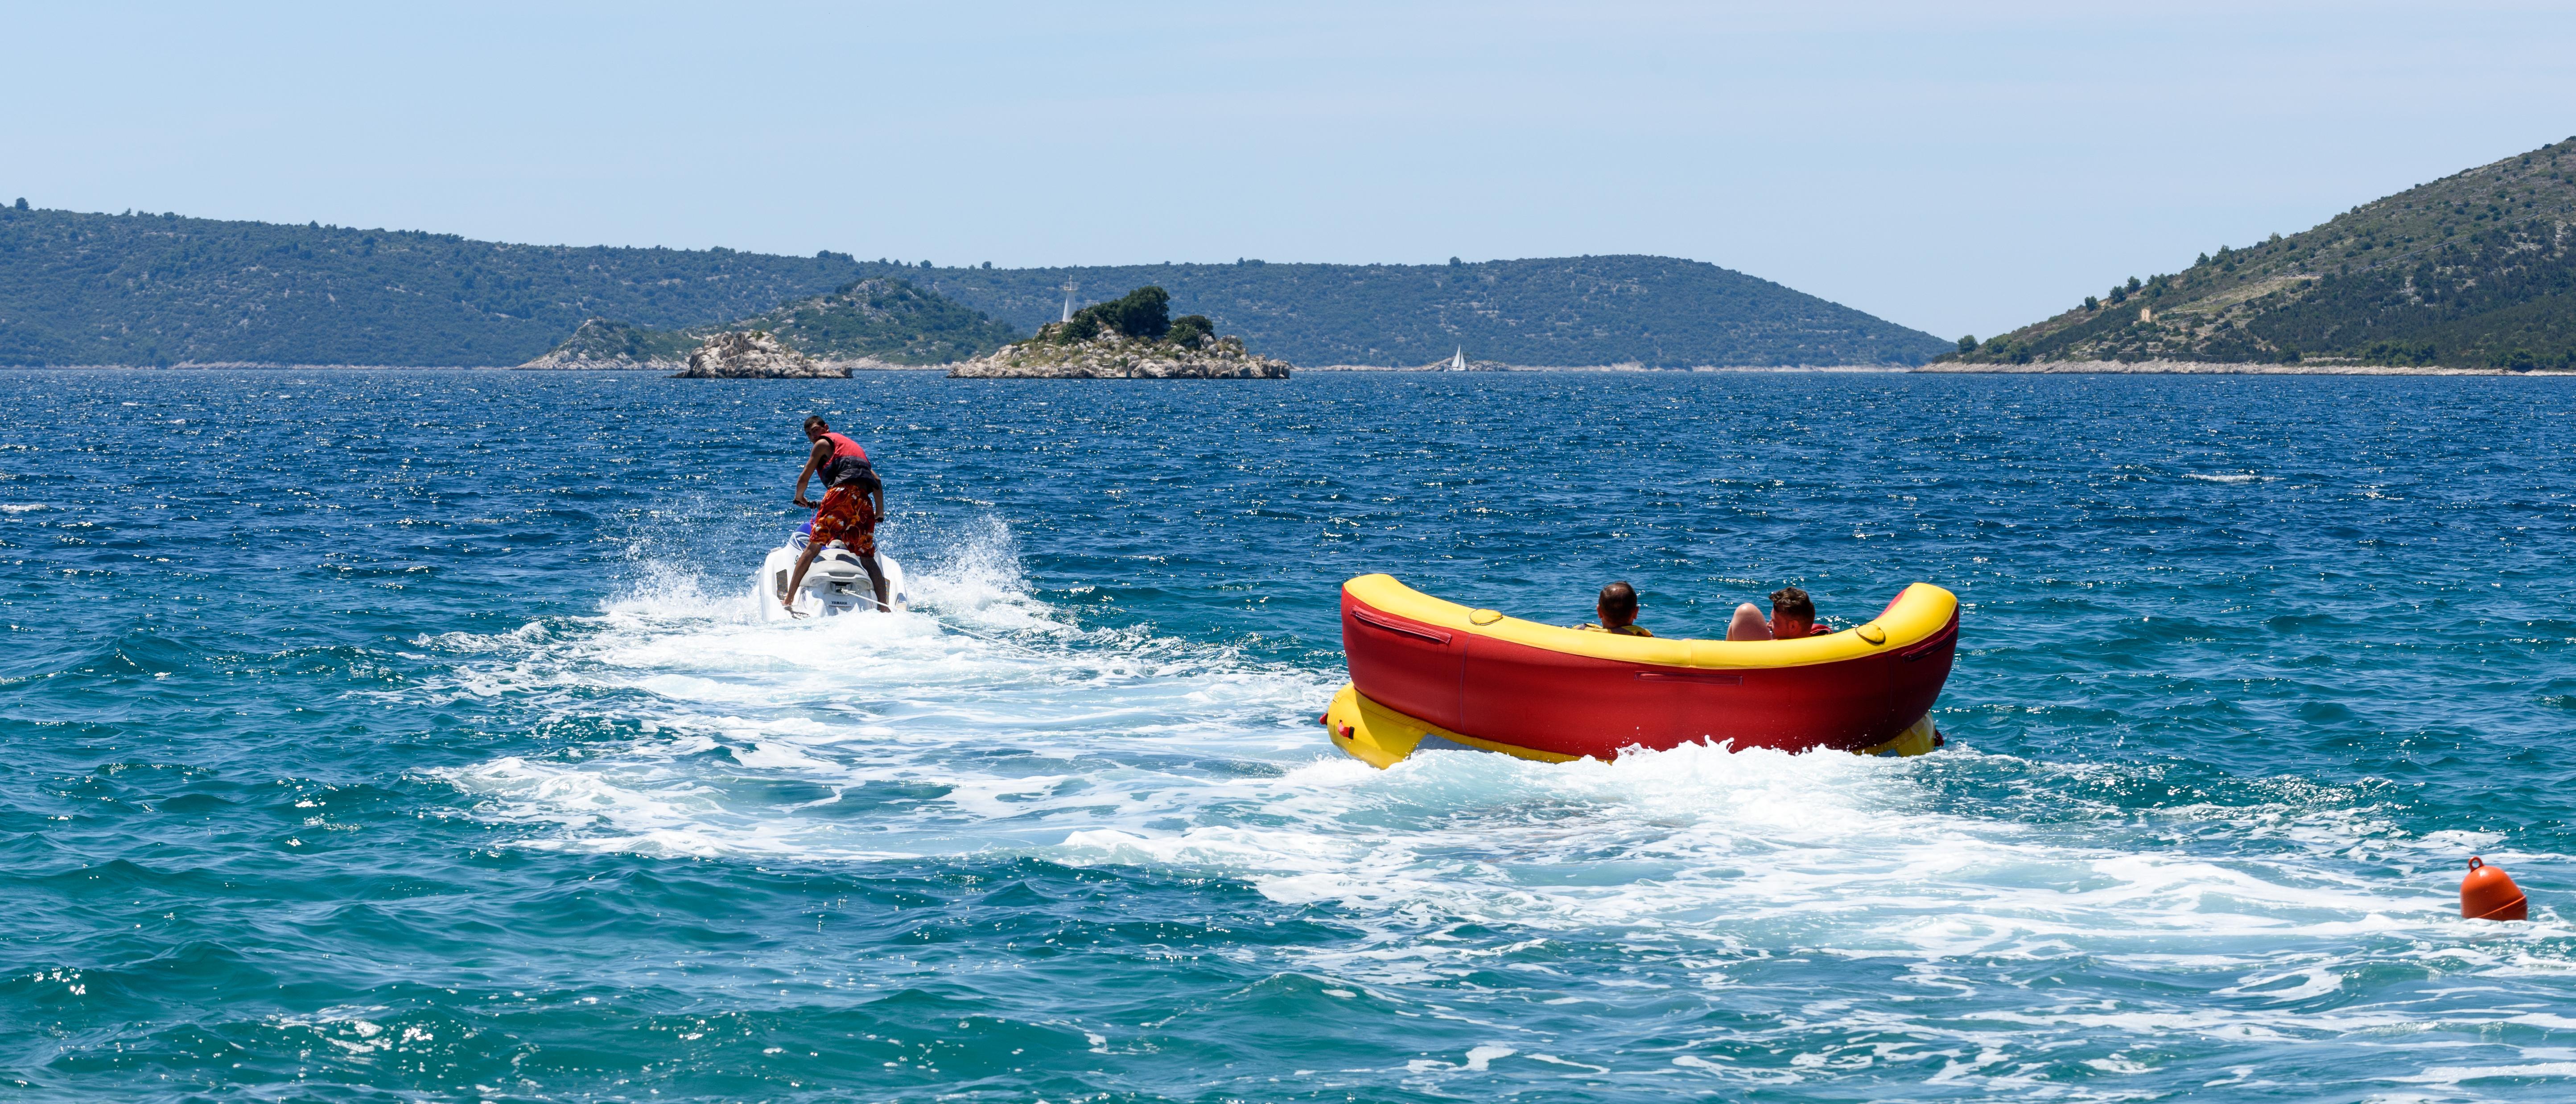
x=1656 y=311
x=2474 y=270
x=162 y=289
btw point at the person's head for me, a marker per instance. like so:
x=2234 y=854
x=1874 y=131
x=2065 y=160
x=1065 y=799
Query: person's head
x=816 y=427
x=1792 y=613
x=1618 y=605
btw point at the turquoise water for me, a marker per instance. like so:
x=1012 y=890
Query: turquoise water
x=408 y=736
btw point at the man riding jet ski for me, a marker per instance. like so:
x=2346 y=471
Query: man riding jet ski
x=842 y=534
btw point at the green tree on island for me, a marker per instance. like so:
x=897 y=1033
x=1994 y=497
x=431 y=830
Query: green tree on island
x=1145 y=312
x=1191 y=330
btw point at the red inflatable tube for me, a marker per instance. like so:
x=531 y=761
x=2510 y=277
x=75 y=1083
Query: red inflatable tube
x=1476 y=677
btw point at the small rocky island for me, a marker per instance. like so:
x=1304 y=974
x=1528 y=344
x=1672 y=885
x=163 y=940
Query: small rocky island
x=753 y=354
x=1134 y=337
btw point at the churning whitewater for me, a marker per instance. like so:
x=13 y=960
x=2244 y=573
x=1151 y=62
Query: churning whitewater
x=985 y=724
x=484 y=776
x=980 y=723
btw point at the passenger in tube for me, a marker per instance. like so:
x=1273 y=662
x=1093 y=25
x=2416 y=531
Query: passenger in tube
x=1793 y=615
x=1618 y=611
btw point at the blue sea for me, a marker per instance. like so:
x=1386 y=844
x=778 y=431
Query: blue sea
x=410 y=735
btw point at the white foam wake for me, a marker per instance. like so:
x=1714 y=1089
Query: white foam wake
x=984 y=719
x=989 y=722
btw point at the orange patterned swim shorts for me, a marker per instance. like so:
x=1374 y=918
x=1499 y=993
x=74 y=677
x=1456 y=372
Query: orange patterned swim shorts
x=846 y=517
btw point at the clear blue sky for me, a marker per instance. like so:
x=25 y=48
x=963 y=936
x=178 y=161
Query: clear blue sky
x=1958 y=167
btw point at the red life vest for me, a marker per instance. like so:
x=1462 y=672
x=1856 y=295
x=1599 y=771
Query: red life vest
x=844 y=448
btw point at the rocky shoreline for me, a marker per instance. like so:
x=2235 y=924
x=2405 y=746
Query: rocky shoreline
x=830 y=368
x=574 y=362
x=753 y=354
x=1115 y=356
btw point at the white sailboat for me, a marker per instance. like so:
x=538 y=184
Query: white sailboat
x=1458 y=360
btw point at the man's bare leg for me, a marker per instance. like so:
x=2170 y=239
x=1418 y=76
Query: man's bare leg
x=877 y=579
x=798 y=579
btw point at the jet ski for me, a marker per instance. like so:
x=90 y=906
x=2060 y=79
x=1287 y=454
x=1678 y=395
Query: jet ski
x=836 y=584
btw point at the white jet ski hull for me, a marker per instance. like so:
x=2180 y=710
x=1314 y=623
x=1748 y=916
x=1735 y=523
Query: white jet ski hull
x=836 y=584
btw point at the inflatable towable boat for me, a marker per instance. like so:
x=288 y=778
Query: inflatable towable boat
x=1427 y=674
x=836 y=584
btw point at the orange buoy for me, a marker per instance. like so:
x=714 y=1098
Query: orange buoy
x=2488 y=893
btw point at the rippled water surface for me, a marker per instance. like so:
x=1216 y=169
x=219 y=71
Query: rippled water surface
x=408 y=735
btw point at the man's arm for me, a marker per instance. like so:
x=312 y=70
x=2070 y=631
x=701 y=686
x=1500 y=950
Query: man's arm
x=813 y=460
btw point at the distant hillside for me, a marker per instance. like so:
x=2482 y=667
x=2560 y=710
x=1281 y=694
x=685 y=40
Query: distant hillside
x=880 y=318
x=885 y=318
x=161 y=289
x=2469 y=271
x=1656 y=311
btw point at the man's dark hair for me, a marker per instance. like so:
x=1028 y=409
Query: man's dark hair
x=1619 y=598
x=1794 y=602
x=812 y=420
